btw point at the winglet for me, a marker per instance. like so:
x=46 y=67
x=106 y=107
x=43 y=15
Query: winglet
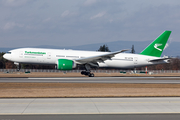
x=157 y=46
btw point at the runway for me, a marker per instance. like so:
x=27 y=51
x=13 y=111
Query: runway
x=149 y=80
x=93 y=117
x=55 y=106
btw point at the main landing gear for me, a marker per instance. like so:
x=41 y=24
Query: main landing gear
x=87 y=72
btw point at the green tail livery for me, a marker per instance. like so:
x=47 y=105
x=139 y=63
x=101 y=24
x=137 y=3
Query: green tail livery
x=156 y=47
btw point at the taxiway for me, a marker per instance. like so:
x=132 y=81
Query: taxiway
x=156 y=105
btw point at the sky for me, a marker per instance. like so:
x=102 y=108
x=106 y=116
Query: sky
x=79 y=22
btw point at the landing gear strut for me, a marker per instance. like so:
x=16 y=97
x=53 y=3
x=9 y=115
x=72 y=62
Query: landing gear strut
x=17 y=65
x=87 y=72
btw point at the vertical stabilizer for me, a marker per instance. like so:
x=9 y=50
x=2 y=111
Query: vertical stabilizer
x=157 y=46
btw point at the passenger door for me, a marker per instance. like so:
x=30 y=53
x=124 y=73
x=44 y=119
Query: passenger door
x=48 y=55
x=21 y=54
x=135 y=60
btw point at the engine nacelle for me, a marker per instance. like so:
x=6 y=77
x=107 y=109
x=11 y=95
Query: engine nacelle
x=65 y=64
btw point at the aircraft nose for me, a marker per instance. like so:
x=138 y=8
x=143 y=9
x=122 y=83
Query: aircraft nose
x=4 y=56
x=7 y=56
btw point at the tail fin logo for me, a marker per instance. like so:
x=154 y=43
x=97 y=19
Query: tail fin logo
x=156 y=47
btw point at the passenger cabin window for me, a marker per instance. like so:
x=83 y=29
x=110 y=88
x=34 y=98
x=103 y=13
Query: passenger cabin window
x=73 y=56
x=60 y=56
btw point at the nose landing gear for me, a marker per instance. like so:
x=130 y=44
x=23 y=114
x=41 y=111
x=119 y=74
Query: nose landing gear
x=17 y=65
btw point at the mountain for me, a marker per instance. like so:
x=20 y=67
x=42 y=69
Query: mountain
x=173 y=48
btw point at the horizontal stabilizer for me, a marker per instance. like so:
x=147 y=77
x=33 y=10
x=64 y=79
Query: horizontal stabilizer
x=161 y=59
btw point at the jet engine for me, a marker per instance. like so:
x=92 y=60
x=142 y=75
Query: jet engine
x=65 y=64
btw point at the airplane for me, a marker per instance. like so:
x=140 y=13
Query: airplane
x=69 y=59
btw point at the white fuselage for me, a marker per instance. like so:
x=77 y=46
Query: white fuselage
x=50 y=56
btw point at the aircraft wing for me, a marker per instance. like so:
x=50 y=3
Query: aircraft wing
x=99 y=58
x=161 y=59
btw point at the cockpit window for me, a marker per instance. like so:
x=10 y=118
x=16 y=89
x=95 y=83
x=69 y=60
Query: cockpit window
x=8 y=52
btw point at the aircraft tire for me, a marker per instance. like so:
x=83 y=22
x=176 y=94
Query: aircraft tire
x=91 y=75
x=83 y=72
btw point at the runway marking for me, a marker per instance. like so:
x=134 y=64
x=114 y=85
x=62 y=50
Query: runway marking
x=134 y=80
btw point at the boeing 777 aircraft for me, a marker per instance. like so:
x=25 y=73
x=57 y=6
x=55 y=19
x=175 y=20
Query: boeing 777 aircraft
x=69 y=59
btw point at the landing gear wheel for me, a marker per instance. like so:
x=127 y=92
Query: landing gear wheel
x=83 y=72
x=87 y=73
x=91 y=75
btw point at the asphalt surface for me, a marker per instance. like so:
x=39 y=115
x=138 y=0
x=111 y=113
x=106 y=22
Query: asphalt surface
x=153 y=80
x=93 y=117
